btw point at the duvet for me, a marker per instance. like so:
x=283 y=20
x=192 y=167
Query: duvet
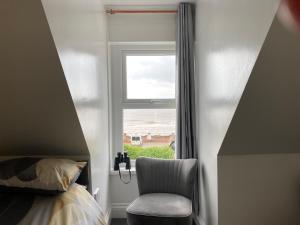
x=74 y=207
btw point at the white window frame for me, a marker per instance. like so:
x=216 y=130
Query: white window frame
x=118 y=85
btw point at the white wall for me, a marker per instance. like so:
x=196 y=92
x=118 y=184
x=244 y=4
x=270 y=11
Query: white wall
x=269 y=108
x=230 y=34
x=79 y=31
x=141 y=27
x=122 y=194
x=145 y=2
x=135 y=28
x=259 y=167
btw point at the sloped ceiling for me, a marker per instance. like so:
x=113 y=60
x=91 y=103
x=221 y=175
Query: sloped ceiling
x=267 y=119
x=79 y=31
x=37 y=115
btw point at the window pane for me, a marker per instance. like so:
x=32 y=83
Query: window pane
x=150 y=77
x=149 y=132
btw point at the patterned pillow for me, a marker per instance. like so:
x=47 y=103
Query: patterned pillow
x=40 y=174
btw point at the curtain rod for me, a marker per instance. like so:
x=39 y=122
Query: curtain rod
x=117 y=11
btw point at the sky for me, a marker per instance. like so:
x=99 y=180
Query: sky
x=150 y=77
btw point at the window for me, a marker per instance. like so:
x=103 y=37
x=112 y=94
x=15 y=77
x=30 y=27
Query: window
x=143 y=101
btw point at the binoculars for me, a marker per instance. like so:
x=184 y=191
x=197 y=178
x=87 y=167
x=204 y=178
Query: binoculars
x=122 y=158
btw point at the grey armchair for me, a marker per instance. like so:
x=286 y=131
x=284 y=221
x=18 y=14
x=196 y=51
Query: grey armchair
x=166 y=189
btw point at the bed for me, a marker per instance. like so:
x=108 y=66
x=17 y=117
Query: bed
x=75 y=206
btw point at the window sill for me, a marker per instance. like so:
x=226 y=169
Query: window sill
x=123 y=171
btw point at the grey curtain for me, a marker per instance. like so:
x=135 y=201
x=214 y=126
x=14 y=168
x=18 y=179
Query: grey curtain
x=186 y=139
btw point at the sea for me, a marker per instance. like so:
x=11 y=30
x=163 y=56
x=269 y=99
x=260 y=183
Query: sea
x=141 y=122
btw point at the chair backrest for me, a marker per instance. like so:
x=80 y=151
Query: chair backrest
x=166 y=176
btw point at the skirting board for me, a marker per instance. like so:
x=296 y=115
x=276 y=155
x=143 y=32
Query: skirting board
x=118 y=210
x=108 y=216
x=200 y=221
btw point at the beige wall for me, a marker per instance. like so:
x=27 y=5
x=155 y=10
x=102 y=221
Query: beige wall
x=36 y=106
x=80 y=34
x=230 y=34
x=259 y=189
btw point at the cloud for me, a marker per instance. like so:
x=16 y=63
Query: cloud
x=151 y=76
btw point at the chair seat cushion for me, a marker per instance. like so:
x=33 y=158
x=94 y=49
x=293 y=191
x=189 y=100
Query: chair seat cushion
x=161 y=205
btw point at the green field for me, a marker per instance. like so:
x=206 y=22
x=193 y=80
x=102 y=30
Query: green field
x=162 y=152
